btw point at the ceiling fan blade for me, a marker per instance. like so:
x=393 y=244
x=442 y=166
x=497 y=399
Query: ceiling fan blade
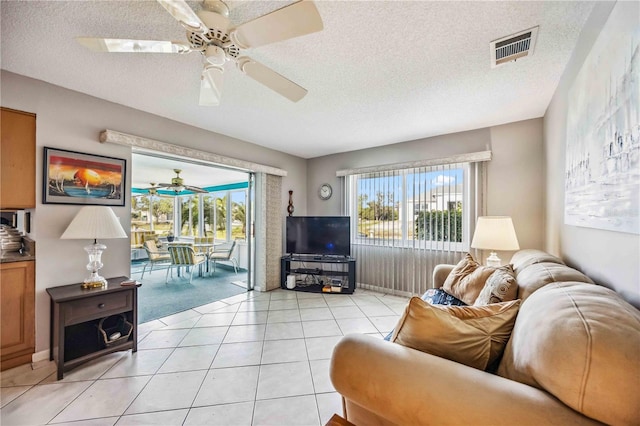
x=163 y=185
x=181 y=11
x=211 y=86
x=291 y=21
x=132 y=46
x=271 y=79
x=195 y=189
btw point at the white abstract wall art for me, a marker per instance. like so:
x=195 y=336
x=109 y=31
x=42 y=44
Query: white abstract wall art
x=602 y=176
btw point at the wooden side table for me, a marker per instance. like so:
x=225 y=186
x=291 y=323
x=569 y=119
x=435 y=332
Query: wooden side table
x=75 y=316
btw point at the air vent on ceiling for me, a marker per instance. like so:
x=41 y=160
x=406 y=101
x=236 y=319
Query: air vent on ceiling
x=513 y=47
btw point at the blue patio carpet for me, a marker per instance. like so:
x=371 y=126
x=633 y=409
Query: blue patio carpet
x=157 y=299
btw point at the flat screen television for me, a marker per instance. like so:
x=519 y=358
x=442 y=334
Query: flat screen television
x=319 y=235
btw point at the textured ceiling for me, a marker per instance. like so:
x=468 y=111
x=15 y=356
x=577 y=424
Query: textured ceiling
x=380 y=72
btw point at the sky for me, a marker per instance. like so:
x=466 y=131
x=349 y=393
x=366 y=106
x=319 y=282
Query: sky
x=417 y=183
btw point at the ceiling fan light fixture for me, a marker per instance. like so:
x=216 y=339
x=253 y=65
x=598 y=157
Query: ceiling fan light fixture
x=211 y=84
x=215 y=55
x=177 y=189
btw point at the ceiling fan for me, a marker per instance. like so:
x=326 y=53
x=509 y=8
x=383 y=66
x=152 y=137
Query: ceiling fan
x=177 y=185
x=210 y=33
x=153 y=190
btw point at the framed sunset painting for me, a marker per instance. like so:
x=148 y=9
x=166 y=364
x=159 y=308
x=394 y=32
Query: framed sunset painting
x=75 y=178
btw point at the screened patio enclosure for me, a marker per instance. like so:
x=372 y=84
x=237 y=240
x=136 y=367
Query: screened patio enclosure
x=209 y=202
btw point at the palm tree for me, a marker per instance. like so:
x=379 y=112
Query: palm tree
x=221 y=213
x=239 y=213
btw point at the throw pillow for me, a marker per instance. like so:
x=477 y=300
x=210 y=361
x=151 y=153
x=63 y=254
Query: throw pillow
x=467 y=279
x=436 y=296
x=471 y=335
x=500 y=287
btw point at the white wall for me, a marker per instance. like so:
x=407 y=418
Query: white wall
x=70 y=120
x=515 y=181
x=323 y=169
x=612 y=259
x=514 y=176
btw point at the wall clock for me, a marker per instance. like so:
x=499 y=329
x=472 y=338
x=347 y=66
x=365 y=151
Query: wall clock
x=325 y=191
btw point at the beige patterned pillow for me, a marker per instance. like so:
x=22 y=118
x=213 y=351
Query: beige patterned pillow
x=501 y=286
x=471 y=335
x=467 y=279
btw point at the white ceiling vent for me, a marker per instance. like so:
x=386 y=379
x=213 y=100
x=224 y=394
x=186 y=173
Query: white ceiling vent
x=513 y=47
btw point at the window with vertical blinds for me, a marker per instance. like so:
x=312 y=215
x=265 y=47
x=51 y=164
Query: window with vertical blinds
x=406 y=220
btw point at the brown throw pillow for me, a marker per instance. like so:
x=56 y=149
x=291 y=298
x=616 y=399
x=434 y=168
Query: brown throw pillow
x=471 y=335
x=501 y=286
x=467 y=279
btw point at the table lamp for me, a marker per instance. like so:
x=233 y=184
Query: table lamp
x=495 y=233
x=93 y=222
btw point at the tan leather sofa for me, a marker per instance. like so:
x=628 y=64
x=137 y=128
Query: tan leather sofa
x=573 y=358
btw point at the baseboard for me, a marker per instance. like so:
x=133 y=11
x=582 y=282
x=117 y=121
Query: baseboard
x=383 y=290
x=40 y=356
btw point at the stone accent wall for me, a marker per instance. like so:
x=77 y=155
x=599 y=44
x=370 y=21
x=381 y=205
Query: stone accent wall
x=268 y=214
x=273 y=241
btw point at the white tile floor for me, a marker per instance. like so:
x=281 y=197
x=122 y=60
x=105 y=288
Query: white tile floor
x=251 y=359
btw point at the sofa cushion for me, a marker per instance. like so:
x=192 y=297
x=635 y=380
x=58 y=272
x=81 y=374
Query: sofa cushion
x=471 y=335
x=528 y=257
x=500 y=287
x=580 y=342
x=467 y=279
x=538 y=275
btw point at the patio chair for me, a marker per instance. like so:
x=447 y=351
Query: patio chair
x=140 y=236
x=223 y=253
x=183 y=255
x=156 y=256
x=202 y=244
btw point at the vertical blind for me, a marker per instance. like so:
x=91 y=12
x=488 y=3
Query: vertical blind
x=406 y=220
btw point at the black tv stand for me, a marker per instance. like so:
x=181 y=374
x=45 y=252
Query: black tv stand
x=337 y=271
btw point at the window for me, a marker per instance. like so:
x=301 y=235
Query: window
x=140 y=213
x=227 y=226
x=152 y=213
x=155 y=213
x=408 y=218
x=238 y=215
x=215 y=222
x=162 y=212
x=188 y=215
x=407 y=207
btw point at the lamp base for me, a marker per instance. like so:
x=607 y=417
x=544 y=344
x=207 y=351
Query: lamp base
x=94 y=281
x=94 y=284
x=494 y=260
x=95 y=263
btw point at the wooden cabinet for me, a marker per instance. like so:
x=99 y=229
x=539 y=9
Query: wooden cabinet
x=17 y=159
x=17 y=313
x=76 y=316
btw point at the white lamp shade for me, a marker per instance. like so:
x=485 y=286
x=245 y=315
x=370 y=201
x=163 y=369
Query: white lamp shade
x=94 y=222
x=495 y=233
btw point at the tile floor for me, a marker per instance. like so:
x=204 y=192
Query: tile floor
x=252 y=359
